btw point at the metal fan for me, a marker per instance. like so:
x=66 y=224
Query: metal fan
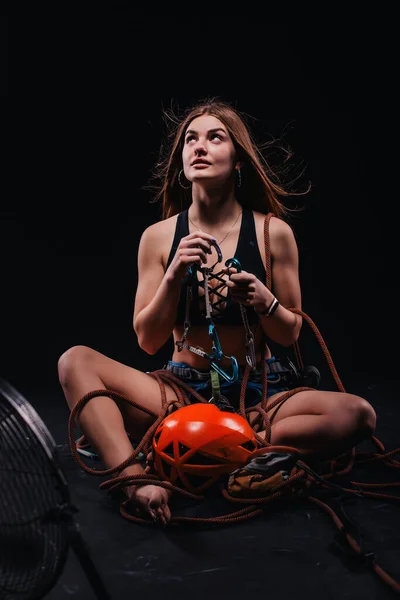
x=37 y=525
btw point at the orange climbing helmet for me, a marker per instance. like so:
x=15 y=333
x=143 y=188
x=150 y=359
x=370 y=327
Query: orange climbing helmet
x=196 y=444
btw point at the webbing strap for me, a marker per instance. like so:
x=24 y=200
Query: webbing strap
x=216 y=391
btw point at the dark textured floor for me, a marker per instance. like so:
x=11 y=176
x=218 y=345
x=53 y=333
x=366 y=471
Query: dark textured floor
x=288 y=552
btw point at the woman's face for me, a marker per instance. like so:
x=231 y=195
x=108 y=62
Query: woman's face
x=208 y=152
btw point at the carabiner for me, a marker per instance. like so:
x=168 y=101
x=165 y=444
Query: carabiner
x=251 y=352
x=233 y=262
x=218 y=250
x=216 y=345
x=235 y=369
x=193 y=268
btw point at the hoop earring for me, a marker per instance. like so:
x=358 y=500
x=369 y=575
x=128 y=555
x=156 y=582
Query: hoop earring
x=238 y=178
x=185 y=187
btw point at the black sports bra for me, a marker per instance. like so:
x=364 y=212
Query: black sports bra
x=247 y=253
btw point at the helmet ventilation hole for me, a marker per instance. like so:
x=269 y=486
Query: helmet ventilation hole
x=250 y=445
x=169 y=450
x=202 y=459
x=182 y=449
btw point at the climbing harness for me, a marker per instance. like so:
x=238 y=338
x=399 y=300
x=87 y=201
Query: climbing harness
x=273 y=472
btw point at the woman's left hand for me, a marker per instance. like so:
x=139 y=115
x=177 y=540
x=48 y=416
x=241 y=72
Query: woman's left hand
x=246 y=288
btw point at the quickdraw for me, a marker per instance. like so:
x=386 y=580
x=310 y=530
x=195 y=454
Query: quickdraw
x=217 y=353
x=251 y=354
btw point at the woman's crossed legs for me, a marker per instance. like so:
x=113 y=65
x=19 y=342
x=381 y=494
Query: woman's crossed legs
x=316 y=422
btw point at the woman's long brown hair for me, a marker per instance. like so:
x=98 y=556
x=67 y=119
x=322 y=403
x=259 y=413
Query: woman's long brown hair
x=261 y=188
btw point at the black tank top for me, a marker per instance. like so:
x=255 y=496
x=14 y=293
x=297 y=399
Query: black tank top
x=247 y=253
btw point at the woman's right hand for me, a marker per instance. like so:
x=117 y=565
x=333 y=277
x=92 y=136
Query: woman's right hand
x=192 y=249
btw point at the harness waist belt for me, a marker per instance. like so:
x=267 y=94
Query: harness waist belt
x=196 y=375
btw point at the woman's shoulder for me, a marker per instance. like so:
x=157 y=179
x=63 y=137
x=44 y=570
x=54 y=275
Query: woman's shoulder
x=281 y=235
x=158 y=237
x=277 y=226
x=161 y=229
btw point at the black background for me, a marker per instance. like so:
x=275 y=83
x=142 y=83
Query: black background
x=85 y=126
x=89 y=126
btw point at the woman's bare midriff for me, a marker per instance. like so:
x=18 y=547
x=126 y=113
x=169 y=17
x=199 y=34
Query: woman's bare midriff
x=232 y=341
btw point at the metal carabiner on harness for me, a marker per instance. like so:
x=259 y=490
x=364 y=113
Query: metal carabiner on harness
x=251 y=354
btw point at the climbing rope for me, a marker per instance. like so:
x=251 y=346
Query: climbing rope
x=302 y=482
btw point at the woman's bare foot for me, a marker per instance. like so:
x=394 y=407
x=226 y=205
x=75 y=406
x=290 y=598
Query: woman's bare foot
x=152 y=499
x=149 y=498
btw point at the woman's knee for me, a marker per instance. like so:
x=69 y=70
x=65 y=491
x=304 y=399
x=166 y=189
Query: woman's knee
x=362 y=413
x=71 y=360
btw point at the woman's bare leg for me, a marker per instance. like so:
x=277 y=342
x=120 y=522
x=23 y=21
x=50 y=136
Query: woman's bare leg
x=104 y=422
x=321 y=424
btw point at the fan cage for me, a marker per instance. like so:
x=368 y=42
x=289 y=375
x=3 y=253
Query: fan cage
x=34 y=496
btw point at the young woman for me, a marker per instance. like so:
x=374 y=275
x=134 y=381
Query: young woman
x=216 y=191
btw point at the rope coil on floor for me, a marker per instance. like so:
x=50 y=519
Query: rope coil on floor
x=302 y=478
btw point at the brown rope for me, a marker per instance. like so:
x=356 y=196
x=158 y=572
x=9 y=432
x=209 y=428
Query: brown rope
x=355 y=547
x=301 y=478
